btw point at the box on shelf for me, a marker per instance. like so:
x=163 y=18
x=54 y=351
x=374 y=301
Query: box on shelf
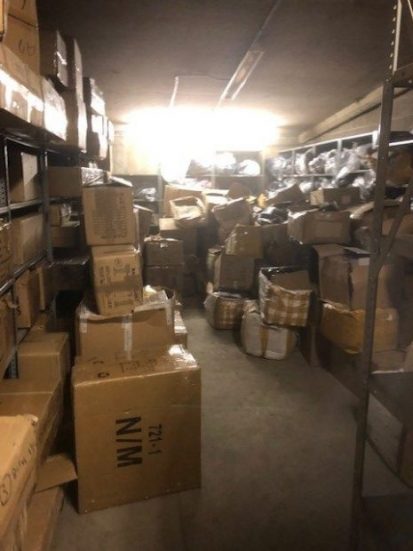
x=262 y=340
x=163 y=252
x=7 y=338
x=93 y=96
x=169 y=230
x=167 y=277
x=150 y=325
x=245 y=241
x=188 y=211
x=24 y=177
x=234 y=273
x=342 y=197
x=67 y=236
x=5 y=251
x=109 y=216
x=181 y=332
x=77 y=122
x=23 y=40
x=25 y=11
x=285 y=296
x=68 y=182
x=318 y=227
x=42 y=517
x=224 y=310
x=60 y=214
x=161 y=392
x=74 y=65
x=28 y=299
x=54 y=60
x=117 y=278
x=46 y=288
x=27 y=238
x=54 y=115
x=345 y=328
x=14 y=97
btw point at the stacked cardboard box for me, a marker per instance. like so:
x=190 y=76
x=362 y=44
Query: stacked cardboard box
x=22 y=36
x=97 y=122
x=164 y=263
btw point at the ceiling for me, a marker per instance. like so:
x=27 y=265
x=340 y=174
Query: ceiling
x=319 y=55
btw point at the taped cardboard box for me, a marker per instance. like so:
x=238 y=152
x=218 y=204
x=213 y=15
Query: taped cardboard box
x=317 y=227
x=109 y=216
x=77 y=120
x=285 y=296
x=7 y=338
x=117 y=279
x=150 y=325
x=343 y=276
x=342 y=197
x=5 y=251
x=262 y=340
x=68 y=182
x=161 y=392
x=23 y=174
x=43 y=514
x=169 y=230
x=67 y=236
x=27 y=238
x=163 y=252
x=345 y=328
x=18 y=464
x=28 y=299
x=245 y=241
x=167 y=277
x=172 y=192
x=188 y=211
x=54 y=59
x=74 y=66
x=25 y=11
x=234 y=273
x=232 y=213
x=181 y=332
x=224 y=310
x=93 y=96
x=23 y=40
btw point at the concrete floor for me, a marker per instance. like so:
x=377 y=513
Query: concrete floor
x=278 y=443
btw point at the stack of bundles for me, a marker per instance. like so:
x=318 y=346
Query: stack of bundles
x=229 y=214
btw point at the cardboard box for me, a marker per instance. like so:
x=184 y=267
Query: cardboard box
x=262 y=340
x=46 y=288
x=163 y=252
x=285 y=296
x=54 y=115
x=42 y=518
x=144 y=216
x=54 y=59
x=169 y=230
x=23 y=40
x=28 y=299
x=68 y=182
x=317 y=227
x=25 y=11
x=275 y=233
x=146 y=421
x=109 y=217
x=289 y=194
x=188 y=211
x=14 y=97
x=234 y=273
x=93 y=96
x=150 y=325
x=60 y=214
x=5 y=251
x=214 y=198
x=24 y=179
x=74 y=66
x=57 y=470
x=27 y=238
x=117 y=278
x=172 y=192
x=7 y=337
x=342 y=197
x=71 y=274
x=232 y=213
x=343 y=277
x=224 y=310
x=166 y=277
x=245 y=241
x=345 y=328
x=17 y=467
x=45 y=356
x=77 y=120
x=181 y=332
x=66 y=237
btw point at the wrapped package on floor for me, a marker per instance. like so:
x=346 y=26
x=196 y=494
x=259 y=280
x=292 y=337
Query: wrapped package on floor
x=145 y=415
x=188 y=212
x=345 y=328
x=313 y=227
x=160 y=251
x=285 y=296
x=262 y=340
x=224 y=310
x=245 y=241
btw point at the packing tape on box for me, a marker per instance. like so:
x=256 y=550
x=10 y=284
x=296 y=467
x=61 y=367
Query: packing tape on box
x=127 y=335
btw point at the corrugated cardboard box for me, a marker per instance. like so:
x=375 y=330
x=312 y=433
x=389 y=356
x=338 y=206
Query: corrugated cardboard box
x=18 y=463
x=57 y=470
x=166 y=277
x=234 y=273
x=144 y=216
x=28 y=299
x=345 y=328
x=54 y=115
x=117 y=278
x=71 y=274
x=233 y=213
x=25 y=11
x=74 y=66
x=145 y=415
x=318 y=227
x=43 y=514
x=93 y=96
x=172 y=192
x=214 y=198
x=68 y=182
x=289 y=194
x=150 y=325
x=274 y=233
x=67 y=236
x=24 y=180
x=169 y=230
x=7 y=337
x=45 y=356
x=27 y=238
x=245 y=241
x=188 y=211
x=77 y=120
x=46 y=288
x=343 y=197
x=5 y=251
x=224 y=310
x=23 y=40
x=181 y=332
x=109 y=217
x=54 y=61
x=163 y=252
x=59 y=214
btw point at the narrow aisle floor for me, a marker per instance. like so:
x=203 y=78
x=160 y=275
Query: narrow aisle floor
x=277 y=440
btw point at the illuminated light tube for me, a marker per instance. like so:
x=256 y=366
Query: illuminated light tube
x=242 y=74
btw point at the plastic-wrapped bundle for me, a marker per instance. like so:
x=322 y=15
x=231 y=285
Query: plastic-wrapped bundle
x=224 y=310
x=249 y=167
x=225 y=163
x=349 y=163
x=279 y=166
x=302 y=161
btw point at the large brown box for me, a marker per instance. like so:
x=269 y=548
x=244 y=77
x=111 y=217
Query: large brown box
x=172 y=192
x=42 y=517
x=163 y=252
x=232 y=213
x=77 y=120
x=24 y=179
x=166 y=277
x=28 y=299
x=169 y=230
x=68 y=182
x=74 y=66
x=181 y=332
x=234 y=273
x=54 y=57
x=66 y=237
x=117 y=278
x=289 y=194
x=46 y=287
x=23 y=40
x=27 y=238
x=343 y=197
x=150 y=325
x=145 y=415
x=245 y=241
x=188 y=211
x=54 y=118
x=71 y=274
x=93 y=96
x=144 y=216
x=25 y=11
x=317 y=227
x=5 y=251
x=7 y=337
x=109 y=216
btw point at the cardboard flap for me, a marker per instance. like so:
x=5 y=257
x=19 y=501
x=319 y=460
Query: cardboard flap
x=56 y=471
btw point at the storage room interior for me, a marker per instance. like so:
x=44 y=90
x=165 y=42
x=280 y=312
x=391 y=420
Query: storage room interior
x=206 y=275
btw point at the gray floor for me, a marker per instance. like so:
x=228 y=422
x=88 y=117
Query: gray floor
x=277 y=464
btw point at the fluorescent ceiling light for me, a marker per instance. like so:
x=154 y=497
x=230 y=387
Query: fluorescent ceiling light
x=242 y=74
